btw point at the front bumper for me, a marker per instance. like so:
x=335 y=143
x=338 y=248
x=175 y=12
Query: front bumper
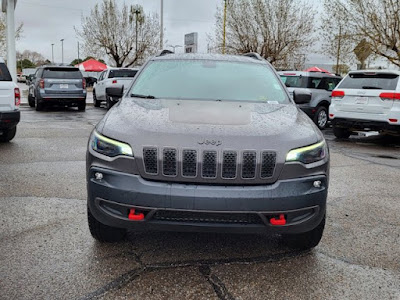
x=9 y=119
x=189 y=207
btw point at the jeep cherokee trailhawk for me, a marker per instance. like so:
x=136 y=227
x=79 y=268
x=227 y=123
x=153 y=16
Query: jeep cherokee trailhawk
x=207 y=143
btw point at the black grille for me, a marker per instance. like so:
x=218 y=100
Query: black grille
x=189 y=163
x=150 y=160
x=209 y=169
x=249 y=164
x=267 y=164
x=229 y=164
x=169 y=162
x=205 y=217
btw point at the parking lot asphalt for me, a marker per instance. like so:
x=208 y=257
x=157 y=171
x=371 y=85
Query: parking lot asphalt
x=46 y=251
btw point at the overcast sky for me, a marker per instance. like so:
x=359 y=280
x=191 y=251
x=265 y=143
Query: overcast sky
x=48 y=21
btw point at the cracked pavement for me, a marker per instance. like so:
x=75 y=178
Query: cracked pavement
x=46 y=251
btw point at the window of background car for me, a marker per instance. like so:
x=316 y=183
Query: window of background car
x=210 y=80
x=4 y=73
x=65 y=73
x=122 y=73
x=373 y=81
x=294 y=81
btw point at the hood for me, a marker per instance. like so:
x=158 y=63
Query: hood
x=204 y=126
x=188 y=123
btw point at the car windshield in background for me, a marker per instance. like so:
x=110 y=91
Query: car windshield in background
x=122 y=73
x=300 y=81
x=210 y=80
x=372 y=81
x=66 y=73
x=4 y=74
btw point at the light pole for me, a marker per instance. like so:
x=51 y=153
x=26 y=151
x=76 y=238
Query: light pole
x=137 y=12
x=224 y=37
x=62 y=51
x=162 y=26
x=52 y=53
x=173 y=47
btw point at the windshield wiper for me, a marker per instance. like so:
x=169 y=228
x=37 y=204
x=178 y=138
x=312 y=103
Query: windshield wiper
x=143 y=96
x=368 y=87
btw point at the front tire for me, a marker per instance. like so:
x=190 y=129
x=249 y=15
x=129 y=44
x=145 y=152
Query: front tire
x=321 y=117
x=39 y=105
x=306 y=240
x=8 y=135
x=341 y=133
x=96 y=102
x=82 y=106
x=109 y=103
x=104 y=233
x=31 y=101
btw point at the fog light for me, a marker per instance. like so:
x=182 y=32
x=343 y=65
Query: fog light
x=317 y=184
x=98 y=176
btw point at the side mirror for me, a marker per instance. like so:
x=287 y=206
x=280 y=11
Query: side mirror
x=301 y=97
x=116 y=91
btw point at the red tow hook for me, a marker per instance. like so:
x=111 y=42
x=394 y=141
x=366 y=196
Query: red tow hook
x=134 y=216
x=280 y=221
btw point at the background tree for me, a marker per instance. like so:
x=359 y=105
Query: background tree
x=3 y=38
x=279 y=30
x=376 y=21
x=112 y=31
x=338 y=41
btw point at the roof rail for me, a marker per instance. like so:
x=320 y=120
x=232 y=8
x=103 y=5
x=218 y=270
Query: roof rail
x=253 y=55
x=164 y=52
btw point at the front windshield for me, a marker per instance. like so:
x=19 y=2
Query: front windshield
x=209 y=80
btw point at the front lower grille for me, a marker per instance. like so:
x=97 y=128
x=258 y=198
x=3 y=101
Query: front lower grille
x=209 y=164
x=205 y=217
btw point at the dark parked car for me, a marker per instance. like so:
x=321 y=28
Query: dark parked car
x=319 y=85
x=57 y=86
x=207 y=143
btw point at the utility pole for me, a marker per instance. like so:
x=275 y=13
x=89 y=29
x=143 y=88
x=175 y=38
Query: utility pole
x=52 y=53
x=9 y=6
x=78 y=54
x=224 y=37
x=137 y=13
x=62 y=51
x=162 y=26
x=338 y=50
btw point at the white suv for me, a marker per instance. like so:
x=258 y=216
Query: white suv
x=108 y=78
x=366 y=100
x=10 y=99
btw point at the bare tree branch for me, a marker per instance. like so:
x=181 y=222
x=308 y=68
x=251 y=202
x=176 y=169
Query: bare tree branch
x=112 y=31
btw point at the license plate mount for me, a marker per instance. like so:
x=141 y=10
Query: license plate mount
x=361 y=100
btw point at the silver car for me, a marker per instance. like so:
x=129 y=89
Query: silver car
x=319 y=85
x=207 y=143
x=56 y=85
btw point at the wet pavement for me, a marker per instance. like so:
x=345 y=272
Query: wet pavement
x=46 y=251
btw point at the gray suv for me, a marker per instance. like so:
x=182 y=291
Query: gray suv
x=57 y=85
x=207 y=143
x=319 y=85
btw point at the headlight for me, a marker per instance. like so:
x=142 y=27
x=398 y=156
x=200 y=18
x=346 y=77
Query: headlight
x=308 y=154
x=109 y=147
